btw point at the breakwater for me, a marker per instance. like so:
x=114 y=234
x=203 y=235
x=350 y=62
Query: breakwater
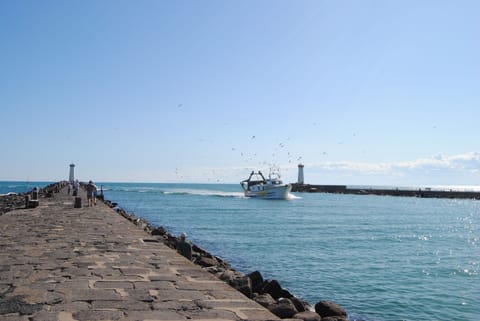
x=268 y=293
x=382 y=258
x=64 y=263
x=60 y=262
x=14 y=200
x=423 y=193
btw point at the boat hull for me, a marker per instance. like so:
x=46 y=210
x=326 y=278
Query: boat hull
x=272 y=192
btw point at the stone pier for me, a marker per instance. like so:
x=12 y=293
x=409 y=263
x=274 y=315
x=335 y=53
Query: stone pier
x=58 y=262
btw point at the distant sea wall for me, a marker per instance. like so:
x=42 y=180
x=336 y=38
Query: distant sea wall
x=423 y=193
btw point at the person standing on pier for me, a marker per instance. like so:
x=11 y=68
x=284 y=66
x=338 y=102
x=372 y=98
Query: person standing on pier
x=91 y=192
x=75 y=188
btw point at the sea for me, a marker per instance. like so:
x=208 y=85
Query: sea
x=380 y=257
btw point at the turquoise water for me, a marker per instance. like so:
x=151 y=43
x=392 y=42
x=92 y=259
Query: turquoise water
x=382 y=258
x=20 y=187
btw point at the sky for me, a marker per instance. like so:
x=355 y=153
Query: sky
x=205 y=91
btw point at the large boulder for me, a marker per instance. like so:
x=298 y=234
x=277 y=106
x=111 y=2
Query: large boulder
x=286 y=294
x=264 y=299
x=227 y=276
x=273 y=288
x=300 y=304
x=308 y=316
x=257 y=281
x=206 y=261
x=284 y=308
x=159 y=231
x=242 y=284
x=329 y=308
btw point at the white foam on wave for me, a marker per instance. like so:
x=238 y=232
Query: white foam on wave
x=203 y=192
x=291 y=196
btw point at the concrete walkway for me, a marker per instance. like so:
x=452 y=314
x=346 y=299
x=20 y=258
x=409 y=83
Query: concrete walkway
x=58 y=262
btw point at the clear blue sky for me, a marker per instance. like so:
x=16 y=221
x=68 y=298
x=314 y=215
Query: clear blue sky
x=361 y=92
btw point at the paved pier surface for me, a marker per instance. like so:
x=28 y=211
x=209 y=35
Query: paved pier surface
x=63 y=263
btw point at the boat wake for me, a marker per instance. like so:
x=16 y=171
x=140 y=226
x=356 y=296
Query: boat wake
x=172 y=191
x=205 y=192
x=290 y=196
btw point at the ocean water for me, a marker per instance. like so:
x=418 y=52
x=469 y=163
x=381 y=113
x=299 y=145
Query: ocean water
x=380 y=257
x=20 y=187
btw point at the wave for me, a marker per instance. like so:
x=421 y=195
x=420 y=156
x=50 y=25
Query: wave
x=229 y=192
x=133 y=189
x=293 y=197
x=203 y=192
x=173 y=191
x=216 y=193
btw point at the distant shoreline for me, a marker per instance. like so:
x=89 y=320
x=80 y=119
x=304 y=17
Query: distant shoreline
x=422 y=193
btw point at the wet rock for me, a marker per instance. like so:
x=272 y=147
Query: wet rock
x=329 y=308
x=308 y=316
x=300 y=304
x=284 y=308
x=286 y=294
x=335 y=318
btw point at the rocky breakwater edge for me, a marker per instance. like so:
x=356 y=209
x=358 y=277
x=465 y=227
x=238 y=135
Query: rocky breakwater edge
x=13 y=201
x=268 y=293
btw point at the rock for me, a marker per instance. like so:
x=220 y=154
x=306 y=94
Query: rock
x=198 y=249
x=335 y=318
x=222 y=263
x=264 y=299
x=257 y=281
x=206 y=261
x=243 y=284
x=284 y=308
x=300 y=304
x=286 y=294
x=329 y=308
x=229 y=275
x=273 y=288
x=308 y=316
x=159 y=231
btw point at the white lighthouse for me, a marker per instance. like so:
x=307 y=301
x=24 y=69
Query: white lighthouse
x=300 y=174
x=71 y=177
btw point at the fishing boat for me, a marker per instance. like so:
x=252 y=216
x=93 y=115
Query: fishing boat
x=256 y=185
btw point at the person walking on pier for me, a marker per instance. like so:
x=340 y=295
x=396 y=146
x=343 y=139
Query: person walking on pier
x=91 y=192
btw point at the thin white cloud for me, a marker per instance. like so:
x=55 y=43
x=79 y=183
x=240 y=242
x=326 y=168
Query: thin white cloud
x=462 y=162
x=437 y=169
x=355 y=166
